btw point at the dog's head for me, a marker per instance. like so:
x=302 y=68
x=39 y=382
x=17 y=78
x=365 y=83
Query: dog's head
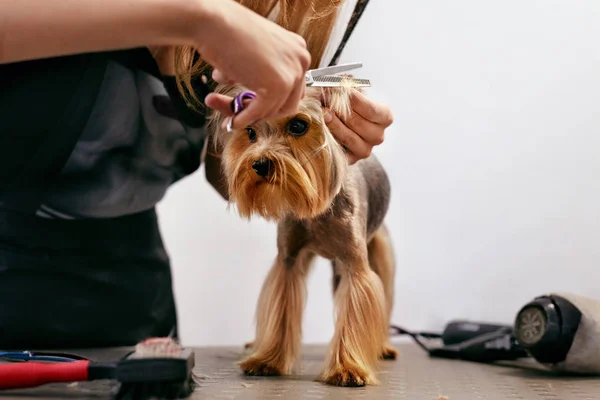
x=288 y=166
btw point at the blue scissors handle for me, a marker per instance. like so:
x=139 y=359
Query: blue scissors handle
x=38 y=356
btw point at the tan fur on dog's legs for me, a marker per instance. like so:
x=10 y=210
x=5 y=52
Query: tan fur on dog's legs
x=382 y=261
x=276 y=347
x=360 y=329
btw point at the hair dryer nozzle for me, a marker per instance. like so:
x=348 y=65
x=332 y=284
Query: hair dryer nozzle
x=546 y=326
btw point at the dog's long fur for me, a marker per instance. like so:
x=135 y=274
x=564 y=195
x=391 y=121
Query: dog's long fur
x=323 y=207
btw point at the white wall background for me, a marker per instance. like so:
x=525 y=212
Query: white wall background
x=494 y=161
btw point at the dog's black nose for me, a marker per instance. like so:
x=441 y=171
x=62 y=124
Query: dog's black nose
x=262 y=167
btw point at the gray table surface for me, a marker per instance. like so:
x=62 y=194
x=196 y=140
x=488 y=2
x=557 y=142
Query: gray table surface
x=413 y=376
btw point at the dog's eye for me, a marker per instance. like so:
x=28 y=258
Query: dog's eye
x=297 y=127
x=251 y=134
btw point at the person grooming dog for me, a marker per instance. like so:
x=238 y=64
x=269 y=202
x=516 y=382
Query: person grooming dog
x=102 y=108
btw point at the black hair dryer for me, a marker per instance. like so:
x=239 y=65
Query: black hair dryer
x=559 y=331
x=478 y=342
x=562 y=332
x=459 y=331
x=471 y=341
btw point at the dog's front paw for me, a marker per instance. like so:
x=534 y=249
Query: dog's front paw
x=255 y=367
x=389 y=353
x=346 y=377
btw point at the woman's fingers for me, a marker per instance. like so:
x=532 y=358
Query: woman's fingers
x=291 y=105
x=371 y=110
x=219 y=102
x=354 y=143
x=255 y=110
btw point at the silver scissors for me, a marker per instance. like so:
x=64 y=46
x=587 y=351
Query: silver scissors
x=325 y=77
x=319 y=77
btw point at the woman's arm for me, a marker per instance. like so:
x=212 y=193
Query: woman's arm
x=33 y=29
x=228 y=35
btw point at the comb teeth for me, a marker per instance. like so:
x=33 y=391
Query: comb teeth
x=334 y=80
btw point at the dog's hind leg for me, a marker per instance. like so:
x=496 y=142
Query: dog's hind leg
x=361 y=324
x=278 y=339
x=382 y=261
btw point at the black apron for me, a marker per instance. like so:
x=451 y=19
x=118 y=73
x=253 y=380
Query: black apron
x=83 y=283
x=72 y=283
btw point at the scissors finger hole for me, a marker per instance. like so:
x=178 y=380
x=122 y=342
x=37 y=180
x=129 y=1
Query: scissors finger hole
x=237 y=104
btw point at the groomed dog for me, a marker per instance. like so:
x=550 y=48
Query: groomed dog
x=293 y=171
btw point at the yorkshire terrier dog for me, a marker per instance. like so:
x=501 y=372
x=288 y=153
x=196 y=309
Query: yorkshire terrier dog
x=294 y=172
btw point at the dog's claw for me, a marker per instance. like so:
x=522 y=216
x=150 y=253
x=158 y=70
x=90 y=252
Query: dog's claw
x=346 y=378
x=254 y=367
x=389 y=353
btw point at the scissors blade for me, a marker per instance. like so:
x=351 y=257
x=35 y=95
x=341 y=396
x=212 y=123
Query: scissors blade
x=337 y=81
x=334 y=69
x=311 y=74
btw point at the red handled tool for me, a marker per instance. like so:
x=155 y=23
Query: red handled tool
x=157 y=368
x=34 y=373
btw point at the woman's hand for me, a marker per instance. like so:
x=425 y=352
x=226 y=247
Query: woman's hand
x=364 y=128
x=250 y=50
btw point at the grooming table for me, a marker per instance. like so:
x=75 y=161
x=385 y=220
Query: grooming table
x=414 y=376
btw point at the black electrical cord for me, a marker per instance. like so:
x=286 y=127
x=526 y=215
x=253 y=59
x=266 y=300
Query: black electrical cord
x=398 y=331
